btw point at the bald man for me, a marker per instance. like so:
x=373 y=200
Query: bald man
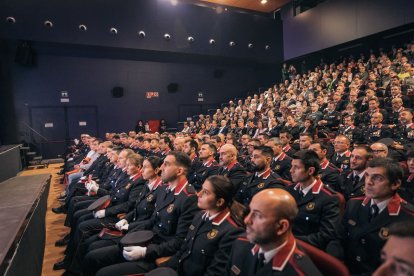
x=229 y=165
x=376 y=130
x=269 y=247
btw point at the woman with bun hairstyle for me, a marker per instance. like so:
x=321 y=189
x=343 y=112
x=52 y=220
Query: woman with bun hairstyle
x=207 y=247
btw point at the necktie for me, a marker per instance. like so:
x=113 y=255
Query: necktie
x=260 y=261
x=356 y=181
x=374 y=211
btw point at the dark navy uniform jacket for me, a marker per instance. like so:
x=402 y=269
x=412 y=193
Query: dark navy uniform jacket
x=174 y=211
x=255 y=183
x=289 y=260
x=206 y=249
x=363 y=239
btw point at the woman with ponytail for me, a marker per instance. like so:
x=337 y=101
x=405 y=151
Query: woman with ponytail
x=207 y=247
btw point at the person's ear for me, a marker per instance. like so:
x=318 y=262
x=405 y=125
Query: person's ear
x=282 y=227
x=311 y=171
x=220 y=202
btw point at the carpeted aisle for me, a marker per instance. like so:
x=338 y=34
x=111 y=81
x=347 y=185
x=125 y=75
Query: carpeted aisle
x=54 y=223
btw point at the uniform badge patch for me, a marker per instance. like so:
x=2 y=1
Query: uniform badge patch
x=260 y=185
x=277 y=167
x=128 y=186
x=363 y=189
x=384 y=233
x=170 y=208
x=235 y=270
x=352 y=222
x=192 y=227
x=212 y=234
x=310 y=206
x=346 y=161
x=150 y=198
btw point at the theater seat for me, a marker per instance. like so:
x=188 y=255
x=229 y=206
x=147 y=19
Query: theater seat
x=326 y=264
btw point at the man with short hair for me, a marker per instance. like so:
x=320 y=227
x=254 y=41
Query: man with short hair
x=328 y=172
x=281 y=162
x=367 y=219
x=379 y=150
x=376 y=130
x=398 y=253
x=175 y=208
x=342 y=153
x=352 y=184
x=285 y=138
x=305 y=140
x=269 y=247
x=208 y=166
x=262 y=178
x=319 y=214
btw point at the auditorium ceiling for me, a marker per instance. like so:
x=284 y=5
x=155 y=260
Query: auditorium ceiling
x=255 y=5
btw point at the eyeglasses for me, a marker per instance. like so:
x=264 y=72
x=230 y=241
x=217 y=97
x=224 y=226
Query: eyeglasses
x=378 y=151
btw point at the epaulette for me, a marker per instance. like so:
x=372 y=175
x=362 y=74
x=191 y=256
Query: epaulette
x=243 y=238
x=232 y=222
x=328 y=190
x=189 y=190
x=408 y=207
x=360 y=198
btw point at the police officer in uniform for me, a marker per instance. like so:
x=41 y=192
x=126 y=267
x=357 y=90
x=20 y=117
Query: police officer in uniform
x=376 y=130
x=328 y=172
x=263 y=178
x=230 y=167
x=174 y=211
x=269 y=247
x=208 y=167
x=352 y=184
x=281 y=162
x=319 y=213
x=206 y=248
x=342 y=154
x=367 y=219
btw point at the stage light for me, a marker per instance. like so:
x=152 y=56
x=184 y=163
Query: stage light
x=232 y=43
x=48 y=24
x=141 y=34
x=167 y=36
x=11 y=20
x=212 y=41
x=267 y=47
x=83 y=28
x=263 y=2
x=113 y=31
x=190 y=39
x=250 y=45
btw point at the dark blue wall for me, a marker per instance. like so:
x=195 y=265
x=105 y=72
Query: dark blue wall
x=89 y=64
x=335 y=22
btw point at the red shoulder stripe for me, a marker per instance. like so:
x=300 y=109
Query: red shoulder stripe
x=327 y=191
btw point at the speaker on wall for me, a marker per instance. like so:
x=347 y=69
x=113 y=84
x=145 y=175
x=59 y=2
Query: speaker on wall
x=172 y=87
x=117 y=92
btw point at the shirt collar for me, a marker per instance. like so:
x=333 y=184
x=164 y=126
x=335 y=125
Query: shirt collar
x=270 y=254
x=307 y=189
x=382 y=205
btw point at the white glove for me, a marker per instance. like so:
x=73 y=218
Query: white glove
x=100 y=214
x=133 y=253
x=94 y=187
x=120 y=224
x=125 y=227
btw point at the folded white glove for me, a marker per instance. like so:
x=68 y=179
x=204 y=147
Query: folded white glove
x=94 y=187
x=100 y=214
x=121 y=223
x=125 y=227
x=133 y=253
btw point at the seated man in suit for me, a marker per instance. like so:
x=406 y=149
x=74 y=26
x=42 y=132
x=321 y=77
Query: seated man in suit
x=269 y=247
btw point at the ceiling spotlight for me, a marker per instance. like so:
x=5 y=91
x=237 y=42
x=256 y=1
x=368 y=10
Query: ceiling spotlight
x=190 y=39
x=267 y=47
x=212 y=41
x=10 y=20
x=141 y=34
x=263 y=2
x=113 y=31
x=48 y=24
x=83 y=28
x=250 y=45
x=167 y=36
x=174 y=2
x=232 y=43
